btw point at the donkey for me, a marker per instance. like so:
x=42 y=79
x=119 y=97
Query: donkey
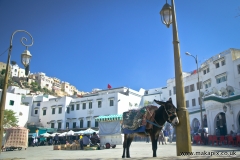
x=166 y=112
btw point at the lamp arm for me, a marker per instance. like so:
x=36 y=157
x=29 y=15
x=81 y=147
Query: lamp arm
x=22 y=39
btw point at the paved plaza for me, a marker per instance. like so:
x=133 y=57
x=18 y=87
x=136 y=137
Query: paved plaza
x=139 y=150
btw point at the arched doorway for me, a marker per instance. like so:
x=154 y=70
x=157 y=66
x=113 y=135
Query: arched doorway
x=195 y=125
x=221 y=123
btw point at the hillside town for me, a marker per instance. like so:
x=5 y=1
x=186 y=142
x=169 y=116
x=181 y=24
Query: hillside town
x=64 y=107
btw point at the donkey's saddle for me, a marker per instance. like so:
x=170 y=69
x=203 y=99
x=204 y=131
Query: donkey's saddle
x=134 y=119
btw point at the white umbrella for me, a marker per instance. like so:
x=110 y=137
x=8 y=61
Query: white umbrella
x=45 y=134
x=89 y=131
x=52 y=135
x=69 y=133
x=79 y=132
x=62 y=134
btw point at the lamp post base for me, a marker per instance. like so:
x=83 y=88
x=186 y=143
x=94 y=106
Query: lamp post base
x=183 y=138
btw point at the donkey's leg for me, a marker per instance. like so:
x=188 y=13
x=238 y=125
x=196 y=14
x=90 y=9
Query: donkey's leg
x=124 y=145
x=129 y=141
x=154 y=140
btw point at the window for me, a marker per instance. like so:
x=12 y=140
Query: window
x=111 y=102
x=53 y=110
x=84 y=106
x=52 y=125
x=90 y=105
x=68 y=110
x=38 y=103
x=11 y=103
x=99 y=104
x=174 y=90
x=59 y=110
x=81 y=123
x=35 y=111
x=59 y=125
x=74 y=124
x=205 y=71
x=217 y=65
x=207 y=83
x=193 y=102
x=191 y=87
x=96 y=123
x=186 y=88
x=88 y=124
x=72 y=107
x=44 y=112
x=238 y=68
x=67 y=124
x=223 y=63
x=187 y=104
x=170 y=93
x=78 y=107
x=146 y=92
x=221 y=79
x=200 y=84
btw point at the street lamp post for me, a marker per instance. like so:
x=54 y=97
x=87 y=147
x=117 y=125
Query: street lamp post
x=160 y=92
x=25 y=57
x=200 y=100
x=183 y=139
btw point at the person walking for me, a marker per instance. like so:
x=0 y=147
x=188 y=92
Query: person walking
x=161 y=138
x=36 y=142
x=33 y=143
x=147 y=139
x=165 y=133
x=170 y=133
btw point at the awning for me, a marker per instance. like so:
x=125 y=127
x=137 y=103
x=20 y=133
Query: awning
x=116 y=117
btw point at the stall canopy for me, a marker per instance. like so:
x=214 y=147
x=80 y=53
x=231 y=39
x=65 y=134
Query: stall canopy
x=89 y=131
x=52 y=135
x=69 y=133
x=45 y=134
x=108 y=118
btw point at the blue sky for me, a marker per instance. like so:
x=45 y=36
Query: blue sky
x=92 y=43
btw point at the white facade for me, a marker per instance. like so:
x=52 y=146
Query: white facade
x=13 y=102
x=43 y=80
x=17 y=90
x=81 y=112
x=16 y=71
x=217 y=74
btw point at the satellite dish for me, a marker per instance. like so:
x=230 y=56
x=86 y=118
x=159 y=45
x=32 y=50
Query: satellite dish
x=230 y=90
x=224 y=92
x=216 y=92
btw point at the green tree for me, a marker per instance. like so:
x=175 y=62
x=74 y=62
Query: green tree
x=3 y=71
x=9 y=119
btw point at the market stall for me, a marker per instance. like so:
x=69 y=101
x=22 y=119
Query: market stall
x=110 y=129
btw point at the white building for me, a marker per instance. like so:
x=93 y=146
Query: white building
x=219 y=86
x=13 y=102
x=80 y=113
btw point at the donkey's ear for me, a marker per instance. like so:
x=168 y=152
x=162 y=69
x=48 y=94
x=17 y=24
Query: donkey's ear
x=159 y=102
